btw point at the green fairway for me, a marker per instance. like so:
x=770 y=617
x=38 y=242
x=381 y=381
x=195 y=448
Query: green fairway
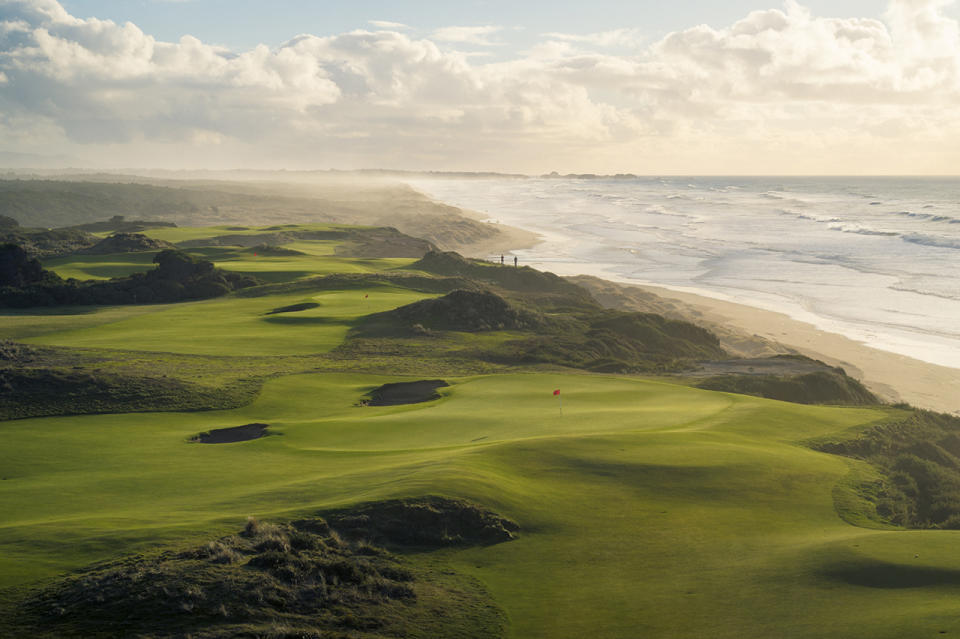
x=226 y=326
x=183 y=234
x=317 y=259
x=648 y=509
x=101 y=267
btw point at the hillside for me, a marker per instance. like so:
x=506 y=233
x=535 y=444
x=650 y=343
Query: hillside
x=85 y=204
x=437 y=447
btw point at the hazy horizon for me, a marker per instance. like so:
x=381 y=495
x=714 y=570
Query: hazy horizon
x=750 y=88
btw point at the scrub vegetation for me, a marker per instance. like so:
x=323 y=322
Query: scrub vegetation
x=433 y=446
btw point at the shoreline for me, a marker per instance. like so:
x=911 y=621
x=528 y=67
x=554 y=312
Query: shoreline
x=891 y=376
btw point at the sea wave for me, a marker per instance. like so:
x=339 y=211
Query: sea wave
x=932 y=240
x=766 y=244
x=921 y=291
x=861 y=230
x=930 y=217
x=810 y=216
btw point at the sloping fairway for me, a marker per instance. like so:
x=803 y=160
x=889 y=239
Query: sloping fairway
x=317 y=259
x=185 y=233
x=647 y=509
x=101 y=267
x=225 y=326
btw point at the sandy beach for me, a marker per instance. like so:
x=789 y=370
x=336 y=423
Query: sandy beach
x=749 y=331
x=753 y=332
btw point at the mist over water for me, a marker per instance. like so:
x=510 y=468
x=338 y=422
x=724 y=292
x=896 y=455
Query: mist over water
x=875 y=259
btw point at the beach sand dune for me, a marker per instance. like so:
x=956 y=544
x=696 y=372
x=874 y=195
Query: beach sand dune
x=751 y=332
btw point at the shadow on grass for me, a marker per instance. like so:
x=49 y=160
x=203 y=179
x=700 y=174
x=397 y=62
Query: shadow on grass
x=274 y=277
x=305 y=321
x=891 y=576
x=50 y=310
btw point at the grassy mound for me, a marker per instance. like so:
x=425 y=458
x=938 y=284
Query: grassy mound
x=423 y=522
x=177 y=277
x=15 y=353
x=120 y=224
x=697 y=504
x=343 y=281
x=18 y=269
x=822 y=387
x=918 y=456
x=460 y=310
x=613 y=341
x=44 y=243
x=294 y=580
x=38 y=392
x=397 y=393
x=126 y=243
x=784 y=365
x=350 y=241
x=539 y=289
x=382 y=242
x=269 y=250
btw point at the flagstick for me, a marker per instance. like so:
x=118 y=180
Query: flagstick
x=560 y=397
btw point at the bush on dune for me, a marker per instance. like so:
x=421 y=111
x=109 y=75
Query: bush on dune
x=821 y=387
x=919 y=458
x=177 y=277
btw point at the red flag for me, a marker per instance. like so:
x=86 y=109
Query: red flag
x=366 y=296
x=556 y=392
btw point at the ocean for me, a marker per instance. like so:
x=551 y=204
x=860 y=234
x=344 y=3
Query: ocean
x=875 y=259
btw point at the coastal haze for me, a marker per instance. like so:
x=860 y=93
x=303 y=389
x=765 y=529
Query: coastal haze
x=870 y=258
x=490 y=319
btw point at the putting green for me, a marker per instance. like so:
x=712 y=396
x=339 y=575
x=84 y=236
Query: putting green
x=224 y=326
x=648 y=509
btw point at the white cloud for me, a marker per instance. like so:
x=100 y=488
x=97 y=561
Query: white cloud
x=386 y=24
x=630 y=38
x=468 y=35
x=779 y=90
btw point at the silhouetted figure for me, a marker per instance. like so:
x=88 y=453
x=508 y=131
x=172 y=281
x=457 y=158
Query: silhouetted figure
x=514 y=261
x=501 y=259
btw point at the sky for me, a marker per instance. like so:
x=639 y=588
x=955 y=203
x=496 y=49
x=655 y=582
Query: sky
x=680 y=87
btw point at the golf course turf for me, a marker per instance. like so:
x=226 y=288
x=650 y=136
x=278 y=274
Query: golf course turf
x=646 y=508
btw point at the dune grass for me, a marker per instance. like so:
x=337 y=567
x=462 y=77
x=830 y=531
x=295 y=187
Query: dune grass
x=648 y=509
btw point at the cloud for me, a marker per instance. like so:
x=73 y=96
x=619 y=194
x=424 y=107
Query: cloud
x=778 y=90
x=468 y=35
x=613 y=38
x=386 y=24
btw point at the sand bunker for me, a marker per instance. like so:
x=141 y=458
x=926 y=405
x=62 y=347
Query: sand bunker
x=233 y=434
x=293 y=308
x=406 y=392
